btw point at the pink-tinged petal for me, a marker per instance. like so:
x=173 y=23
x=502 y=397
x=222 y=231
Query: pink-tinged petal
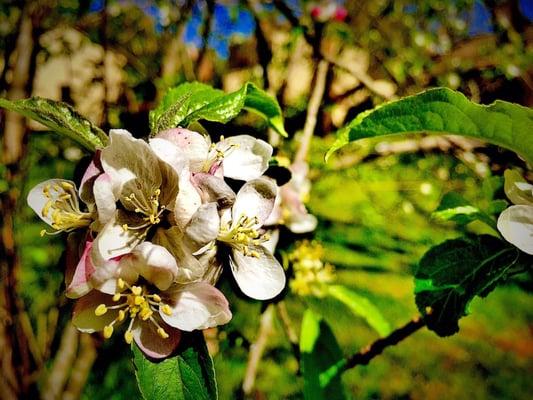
x=196 y=306
x=104 y=198
x=153 y=345
x=187 y=201
x=195 y=145
x=245 y=157
x=255 y=199
x=260 y=278
x=83 y=316
x=516 y=226
x=37 y=198
x=79 y=283
x=169 y=153
x=214 y=189
x=204 y=225
x=155 y=264
x=91 y=173
x=302 y=223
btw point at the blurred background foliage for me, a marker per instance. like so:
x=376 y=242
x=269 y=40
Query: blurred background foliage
x=113 y=60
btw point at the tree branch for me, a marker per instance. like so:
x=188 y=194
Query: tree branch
x=368 y=353
x=257 y=349
x=312 y=110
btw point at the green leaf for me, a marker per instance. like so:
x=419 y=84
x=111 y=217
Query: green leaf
x=189 y=375
x=362 y=307
x=451 y=274
x=193 y=101
x=61 y=118
x=321 y=360
x=454 y=207
x=444 y=111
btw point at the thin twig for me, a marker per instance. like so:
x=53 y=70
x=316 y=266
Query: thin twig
x=63 y=362
x=257 y=349
x=288 y=328
x=205 y=33
x=81 y=368
x=312 y=110
x=364 y=356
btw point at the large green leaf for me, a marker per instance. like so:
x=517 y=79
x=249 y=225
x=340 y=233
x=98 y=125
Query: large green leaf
x=444 y=111
x=454 y=207
x=451 y=274
x=361 y=306
x=61 y=118
x=193 y=101
x=189 y=375
x=321 y=360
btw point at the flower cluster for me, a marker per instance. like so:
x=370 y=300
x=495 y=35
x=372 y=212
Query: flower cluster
x=516 y=222
x=311 y=275
x=151 y=226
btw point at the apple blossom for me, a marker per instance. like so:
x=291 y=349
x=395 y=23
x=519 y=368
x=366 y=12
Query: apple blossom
x=516 y=222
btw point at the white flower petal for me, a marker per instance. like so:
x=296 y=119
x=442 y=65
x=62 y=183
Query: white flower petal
x=155 y=264
x=302 y=223
x=196 y=306
x=187 y=201
x=113 y=240
x=255 y=199
x=195 y=145
x=153 y=345
x=37 y=198
x=131 y=162
x=260 y=278
x=516 y=226
x=104 y=198
x=272 y=241
x=247 y=157
x=204 y=225
x=169 y=153
x=214 y=189
x=106 y=274
x=189 y=268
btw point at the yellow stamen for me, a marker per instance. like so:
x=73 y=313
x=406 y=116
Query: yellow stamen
x=120 y=283
x=128 y=337
x=108 y=331
x=100 y=310
x=121 y=315
x=136 y=290
x=116 y=297
x=161 y=332
x=166 y=309
x=156 y=298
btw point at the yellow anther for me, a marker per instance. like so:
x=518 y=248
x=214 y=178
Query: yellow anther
x=161 y=332
x=136 y=290
x=108 y=331
x=138 y=300
x=145 y=314
x=100 y=310
x=121 y=315
x=166 y=309
x=67 y=186
x=128 y=337
x=116 y=297
x=46 y=208
x=156 y=298
x=43 y=232
x=125 y=227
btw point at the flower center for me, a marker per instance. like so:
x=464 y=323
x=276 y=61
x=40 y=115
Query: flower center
x=63 y=208
x=150 y=209
x=216 y=154
x=243 y=234
x=137 y=302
